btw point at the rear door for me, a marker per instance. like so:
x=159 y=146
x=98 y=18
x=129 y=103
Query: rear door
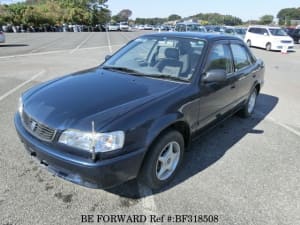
x=245 y=70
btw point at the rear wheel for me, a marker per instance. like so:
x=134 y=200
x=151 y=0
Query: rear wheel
x=163 y=160
x=248 y=109
x=268 y=46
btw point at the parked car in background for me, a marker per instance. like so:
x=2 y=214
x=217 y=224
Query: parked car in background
x=124 y=26
x=148 y=27
x=189 y=26
x=140 y=27
x=113 y=26
x=162 y=28
x=295 y=34
x=270 y=38
x=235 y=31
x=215 y=29
x=2 y=37
x=137 y=113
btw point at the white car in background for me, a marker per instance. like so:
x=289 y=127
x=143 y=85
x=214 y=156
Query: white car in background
x=124 y=26
x=270 y=38
x=2 y=37
x=113 y=27
x=189 y=27
x=148 y=27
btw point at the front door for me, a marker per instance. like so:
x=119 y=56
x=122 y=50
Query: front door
x=217 y=97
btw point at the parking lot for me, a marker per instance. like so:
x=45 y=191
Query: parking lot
x=245 y=171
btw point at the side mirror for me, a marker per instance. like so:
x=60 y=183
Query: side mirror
x=216 y=75
x=107 y=57
x=266 y=34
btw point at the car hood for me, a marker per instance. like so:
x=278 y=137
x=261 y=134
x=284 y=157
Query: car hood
x=282 y=38
x=96 y=95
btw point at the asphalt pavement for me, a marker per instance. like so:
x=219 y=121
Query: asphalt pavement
x=245 y=171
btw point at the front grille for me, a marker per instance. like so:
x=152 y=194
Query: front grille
x=37 y=129
x=286 y=42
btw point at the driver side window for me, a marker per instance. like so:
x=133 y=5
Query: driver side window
x=219 y=58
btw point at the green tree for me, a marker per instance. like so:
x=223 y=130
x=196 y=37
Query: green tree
x=173 y=17
x=232 y=20
x=55 y=12
x=216 y=18
x=288 y=14
x=15 y=13
x=266 y=19
x=124 y=14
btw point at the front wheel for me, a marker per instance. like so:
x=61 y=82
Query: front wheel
x=163 y=160
x=248 y=109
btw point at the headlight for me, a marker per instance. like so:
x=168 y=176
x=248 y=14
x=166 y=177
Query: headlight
x=20 y=106
x=101 y=142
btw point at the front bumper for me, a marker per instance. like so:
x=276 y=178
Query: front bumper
x=100 y=174
x=281 y=46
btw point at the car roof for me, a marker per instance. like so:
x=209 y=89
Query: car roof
x=263 y=26
x=198 y=35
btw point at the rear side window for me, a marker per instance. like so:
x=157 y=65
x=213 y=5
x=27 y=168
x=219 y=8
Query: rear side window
x=220 y=58
x=241 y=57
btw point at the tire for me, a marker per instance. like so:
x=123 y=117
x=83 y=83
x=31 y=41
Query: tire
x=163 y=160
x=249 y=43
x=248 y=108
x=268 y=46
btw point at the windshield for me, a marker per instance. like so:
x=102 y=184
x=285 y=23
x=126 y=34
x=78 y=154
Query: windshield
x=159 y=57
x=229 y=31
x=240 y=31
x=277 y=32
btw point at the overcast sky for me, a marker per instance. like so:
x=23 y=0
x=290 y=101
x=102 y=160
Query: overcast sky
x=246 y=10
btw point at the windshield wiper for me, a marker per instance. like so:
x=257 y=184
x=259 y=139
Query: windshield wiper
x=167 y=77
x=137 y=73
x=123 y=69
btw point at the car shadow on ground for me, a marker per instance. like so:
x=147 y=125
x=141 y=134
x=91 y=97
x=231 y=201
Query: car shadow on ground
x=207 y=149
x=13 y=45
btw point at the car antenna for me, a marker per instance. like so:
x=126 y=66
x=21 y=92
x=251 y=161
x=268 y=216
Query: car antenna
x=94 y=138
